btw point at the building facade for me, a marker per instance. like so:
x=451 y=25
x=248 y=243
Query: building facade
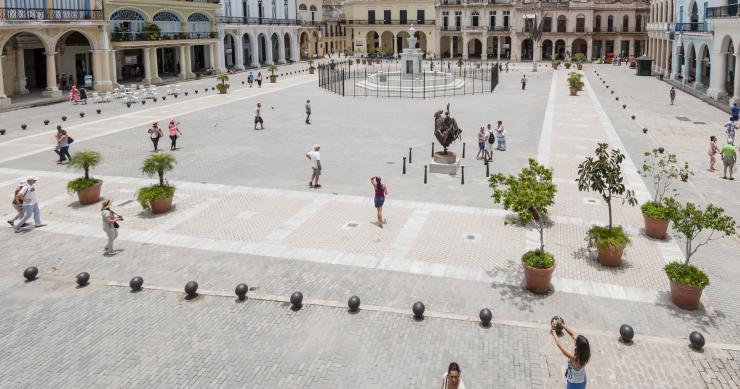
x=724 y=20
x=152 y=42
x=323 y=30
x=382 y=25
x=660 y=42
x=475 y=28
x=51 y=44
x=253 y=33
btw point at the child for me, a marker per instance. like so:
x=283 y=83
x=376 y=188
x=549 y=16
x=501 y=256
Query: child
x=712 y=152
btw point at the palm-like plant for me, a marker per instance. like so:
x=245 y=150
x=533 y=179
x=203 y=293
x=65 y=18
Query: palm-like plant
x=273 y=68
x=158 y=164
x=535 y=33
x=85 y=160
x=222 y=85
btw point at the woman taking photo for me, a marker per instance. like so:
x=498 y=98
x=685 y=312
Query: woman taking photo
x=451 y=379
x=380 y=192
x=577 y=359
x=110 y=226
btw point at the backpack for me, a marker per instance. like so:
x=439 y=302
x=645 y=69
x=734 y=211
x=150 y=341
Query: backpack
x=491 y=138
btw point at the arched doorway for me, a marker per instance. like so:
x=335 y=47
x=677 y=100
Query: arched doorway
x=75 y=60
x=229 y=51
x=315 y=41
x=547 y=50
x=28 y=52
x=560 y=49
x=507 y=47
x=373 y=40
x=386 y=42
x=579 y=46
x=475 y=48
x=492 y=46
x=705 y=68
x=304 y=45
x=526 y=54
x=275 y=45
x=286 y=47
x=690 y=64
x=694 y=16
x=262 y=47
x=248 y=51
x=421 y=41
x=730 y=67
x=444 y=47
x=402 y=41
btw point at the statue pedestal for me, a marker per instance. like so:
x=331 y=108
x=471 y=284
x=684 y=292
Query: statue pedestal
x=444 y=163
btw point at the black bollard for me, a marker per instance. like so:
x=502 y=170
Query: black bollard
x=488 y=173
x=697 y=340
x=432 y=149
x=30 y=273
x=425 y=174
x=462 y=175
x=404 y=165
x=409 y=155
x=463 y=150
x=136 y=283
x=241 y=291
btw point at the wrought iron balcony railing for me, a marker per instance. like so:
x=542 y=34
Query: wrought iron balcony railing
x=396 y=22
x=688 y=27
x=50 y=14
x=499 y=28
x=264 y=21
x=162 y=36
x=450 y=28
x=725 y=11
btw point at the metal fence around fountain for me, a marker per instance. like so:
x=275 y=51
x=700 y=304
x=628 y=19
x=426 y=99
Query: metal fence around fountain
x=375 y=80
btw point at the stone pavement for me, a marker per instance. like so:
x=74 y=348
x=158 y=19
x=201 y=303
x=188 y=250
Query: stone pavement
x=445 y=245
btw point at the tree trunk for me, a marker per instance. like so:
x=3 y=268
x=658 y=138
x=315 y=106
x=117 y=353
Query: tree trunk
x=609 y=203
x=161 y=180
x=87 y=172
x=542 y=238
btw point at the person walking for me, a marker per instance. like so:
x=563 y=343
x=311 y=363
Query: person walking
x=110 y=225
x=258 y=117
x=491 y=137
x=730 y=128
x=734 y=112
x=524 y=81
x=17 y=205
x=250 y=79
x=672 y=94
x=62 y=147
x=154 y=134
x=380 y=192
x=259 y=79
x=27 y=198
x=314 y=156
x=83 y=95
x=74 y=95
x=577 y=359
x=481 y=143
x=174 y=131
x=451 y=379
x=308 y=111
x=712 y=152
x=501 y=136
x=729 y=157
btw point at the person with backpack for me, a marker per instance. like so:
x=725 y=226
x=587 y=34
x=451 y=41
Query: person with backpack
x=154 y=134
x=83 y=96
x=491 y=137
x=27 y=197
x=734 y=111
x=17 y=205
x=250 y=79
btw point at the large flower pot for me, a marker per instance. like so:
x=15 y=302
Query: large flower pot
x=273 y=78
x=223 y=91
x=573 y=91
x=161 y=205
x=610 y=256
x=537 y=280
x=311 y=70
x=580 y=67
x=90 y=195
x=655 y=228
x=685 y=296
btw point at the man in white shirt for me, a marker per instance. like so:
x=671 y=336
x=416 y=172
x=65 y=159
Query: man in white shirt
x=315 y=156
x=27 y=197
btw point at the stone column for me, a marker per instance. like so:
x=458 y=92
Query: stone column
x=464 y=47
x=268 y=51
x=589 y=49
x=500 y=46
x=717 y=76
x=674 y=63
x=188 y=62
x=113 y=68
x=20 y=73
x=281 y=50
x=256 y=52
x=699 y=60
x=687 y=69
x=221 y=55
x=294 y=53
x=4 y=100
x=239 y=53
x=52 y=90
x=183 y=59
x=736 y=85
x=147 y=66
x=452 y=46
x=212 y=56
x=155 y=67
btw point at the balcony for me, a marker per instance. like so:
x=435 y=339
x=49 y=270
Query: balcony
x=392 y=22
x=449 y=2
x=689 y=27
x=499 y=28
x=50 y=14
x=264 y=21
x=450 y=28
x=725 y=11
x=474 y=28
x=162 y=36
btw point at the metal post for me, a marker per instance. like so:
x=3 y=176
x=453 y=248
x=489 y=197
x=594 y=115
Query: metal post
x=409 y=155
x=463 y=150
x=488 y=174
x=462 y=176
x=432 y=149
x=404 y=165
x=425 y=174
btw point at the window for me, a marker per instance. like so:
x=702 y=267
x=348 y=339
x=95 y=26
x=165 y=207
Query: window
x=445 y=19
x=458 y=18
x=492 y=19
x=580 y=24
x=420 y=18
x=227 y=8
x=638 y=23
x=610 y=24
x=245 y=9
x=597 y=23
x=260 y=9
x=561 y=23
x=625 y=23
x=474 y=19
x=285 y=7
x=387 y=16
x=371 y=17
x=506 y=19
x=547 y=24
x=403 y=15
x=274 y=8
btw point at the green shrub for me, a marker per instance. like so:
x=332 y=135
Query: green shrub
x=580 y=57
x=656 y=210
x=151 y=31
x=567 y=65
x=80 y=184
x=538 y=259
x=146 y=195
x=690 y=275
x=604 y=237
x=575 y=80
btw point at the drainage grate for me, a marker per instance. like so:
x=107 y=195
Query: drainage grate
x=471 y=237
x=127 y=202
x=390 y=163
x=350 y=225
x=590 y=201
x=683 y=118
x=700 y=123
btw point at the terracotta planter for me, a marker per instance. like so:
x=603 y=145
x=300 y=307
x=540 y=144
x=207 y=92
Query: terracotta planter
x=161 y=205
x=580 y=67
x=555 y=67
x=573 y=91
x=273 y=78
x=90 y=195
x=685 y=296
x=311 y=70
x=537 y=280
x=655 y=228
x=610 y=256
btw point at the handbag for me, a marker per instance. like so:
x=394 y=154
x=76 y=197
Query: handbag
x=115 y=225
x=70 y=140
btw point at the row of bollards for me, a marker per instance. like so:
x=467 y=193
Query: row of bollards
x=626 y=332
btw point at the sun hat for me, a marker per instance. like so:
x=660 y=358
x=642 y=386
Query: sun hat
x=32 y=178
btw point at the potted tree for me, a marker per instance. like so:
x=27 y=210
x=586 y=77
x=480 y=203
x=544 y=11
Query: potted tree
x=87 y=188
x=580 y=59
x=575 y=81
x=528 y=195
x=151 y=32
x=555 y=64
x=311 y=68
x=157 y=197
x=222 y=86
x=568 y=64
x=604 y=176
x=664 y=169
x=273 y=77
x=688 y=281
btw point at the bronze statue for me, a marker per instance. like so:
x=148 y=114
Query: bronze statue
x=445 y=128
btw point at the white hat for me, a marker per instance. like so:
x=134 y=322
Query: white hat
x=32 y=178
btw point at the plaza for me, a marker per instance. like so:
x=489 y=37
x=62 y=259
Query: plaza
x=243 y=212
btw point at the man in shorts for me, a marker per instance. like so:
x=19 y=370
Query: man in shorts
x=729 y=157
x=258 y=117
x=314 y=156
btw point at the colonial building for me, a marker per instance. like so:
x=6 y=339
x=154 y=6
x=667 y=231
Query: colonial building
x=382 y=25
x=660 y=41
x=323 y=29
x=253 y=33
x=51 y=44
x=724 y=20
x=164 y=39
x=475 y=28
